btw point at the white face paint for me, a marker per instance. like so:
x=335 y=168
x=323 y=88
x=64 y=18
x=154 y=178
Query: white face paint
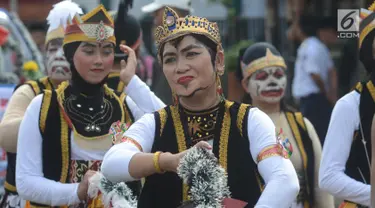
x=268 y=84
x=58 y=68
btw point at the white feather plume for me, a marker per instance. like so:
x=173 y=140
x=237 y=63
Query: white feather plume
x=61 y=12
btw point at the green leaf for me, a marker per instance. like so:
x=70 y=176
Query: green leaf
x=231 y=55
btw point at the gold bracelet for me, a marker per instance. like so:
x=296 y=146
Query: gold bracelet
x=156 y=162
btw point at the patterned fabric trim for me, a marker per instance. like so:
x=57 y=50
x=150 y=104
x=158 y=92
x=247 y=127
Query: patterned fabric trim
x=273 y=150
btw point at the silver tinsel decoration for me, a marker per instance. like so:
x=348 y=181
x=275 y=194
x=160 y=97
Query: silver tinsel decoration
x=207 y=180
x=117 y=195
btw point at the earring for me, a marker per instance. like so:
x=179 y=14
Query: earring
x=219 y=89
x=174 y=98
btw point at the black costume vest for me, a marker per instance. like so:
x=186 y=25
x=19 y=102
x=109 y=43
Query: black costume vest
x=359 y=161
x=38 y=86
x=56 y=128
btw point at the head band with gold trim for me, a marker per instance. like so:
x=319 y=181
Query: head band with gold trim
x=95 y=26
x=58 y=17
x=367 y=23
x=266 y=61
x=173 y=27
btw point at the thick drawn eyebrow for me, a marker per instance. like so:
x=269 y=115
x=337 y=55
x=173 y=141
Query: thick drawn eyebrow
x=88 y=45
x=108 y=46
x=169 y=54
x=189 y=47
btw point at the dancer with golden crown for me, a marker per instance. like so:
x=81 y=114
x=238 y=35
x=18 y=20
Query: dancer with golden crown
x=58 y=70
x=65 y=132
x=241 y=137
x=345 y=168
x=263 y=75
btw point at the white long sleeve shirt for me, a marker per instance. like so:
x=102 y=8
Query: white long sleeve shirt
x=31 y=184
x=276 y=171
x=332 y=178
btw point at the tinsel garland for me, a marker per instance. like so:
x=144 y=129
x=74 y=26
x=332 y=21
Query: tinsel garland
x=207 y=180
x=117 y=195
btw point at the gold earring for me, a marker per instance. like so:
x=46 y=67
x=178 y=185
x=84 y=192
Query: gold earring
x=219 y=89
x=174 y=98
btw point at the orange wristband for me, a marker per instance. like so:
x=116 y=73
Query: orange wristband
x=156 y=162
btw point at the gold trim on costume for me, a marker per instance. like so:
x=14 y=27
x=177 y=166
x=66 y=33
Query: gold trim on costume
x=174 y=26
x=163 y=119
x=44 y=110
x=124 y=109
x=224 y=135
x=371 y=89
x=359 y=87
x=64 y=148
x=270 y=151
x=10 y=187
x=300 y=121
x=132 y=141
x=35 y=86
x=241 y=116
x=297 y=135
x=266 y=61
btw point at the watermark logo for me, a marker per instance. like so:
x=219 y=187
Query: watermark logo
x=348 y=23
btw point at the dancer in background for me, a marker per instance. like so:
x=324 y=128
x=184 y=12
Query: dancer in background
x=346 y=157
x=263 y=75
x=65 y=132
x=58 y=70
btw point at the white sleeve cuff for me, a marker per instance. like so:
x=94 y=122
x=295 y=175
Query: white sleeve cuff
x=115 y=166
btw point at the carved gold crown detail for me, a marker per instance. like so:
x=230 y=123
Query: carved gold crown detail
x=95 y=26
x=174 y=26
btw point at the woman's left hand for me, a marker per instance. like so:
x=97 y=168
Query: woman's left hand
x=128 y=67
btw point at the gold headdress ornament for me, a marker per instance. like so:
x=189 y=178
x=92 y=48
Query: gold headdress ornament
x=173 y=27
x=367 y=22
x=58 y=17
x=266 y=61
x=95 y=26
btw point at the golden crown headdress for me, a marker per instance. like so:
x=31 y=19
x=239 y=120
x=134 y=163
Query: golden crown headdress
x=173 y=26
x=95 y=26
x=58 y=17
x=268 y=60
x=367 y=22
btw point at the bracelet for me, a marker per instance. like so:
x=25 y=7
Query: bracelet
x=156 y=162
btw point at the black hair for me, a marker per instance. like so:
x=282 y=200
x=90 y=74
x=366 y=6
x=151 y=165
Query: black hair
x=309 y=25
x=366 y=55
x=211 y=45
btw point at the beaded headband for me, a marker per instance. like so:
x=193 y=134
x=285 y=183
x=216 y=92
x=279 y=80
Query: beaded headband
x=266 y=61
x=95 y=26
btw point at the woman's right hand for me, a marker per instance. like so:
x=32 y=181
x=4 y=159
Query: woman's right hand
x=170 y=162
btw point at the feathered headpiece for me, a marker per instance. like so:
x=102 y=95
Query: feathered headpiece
x=58 y=17
x=367 y=23
x=95 y=26
x=174 y=26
